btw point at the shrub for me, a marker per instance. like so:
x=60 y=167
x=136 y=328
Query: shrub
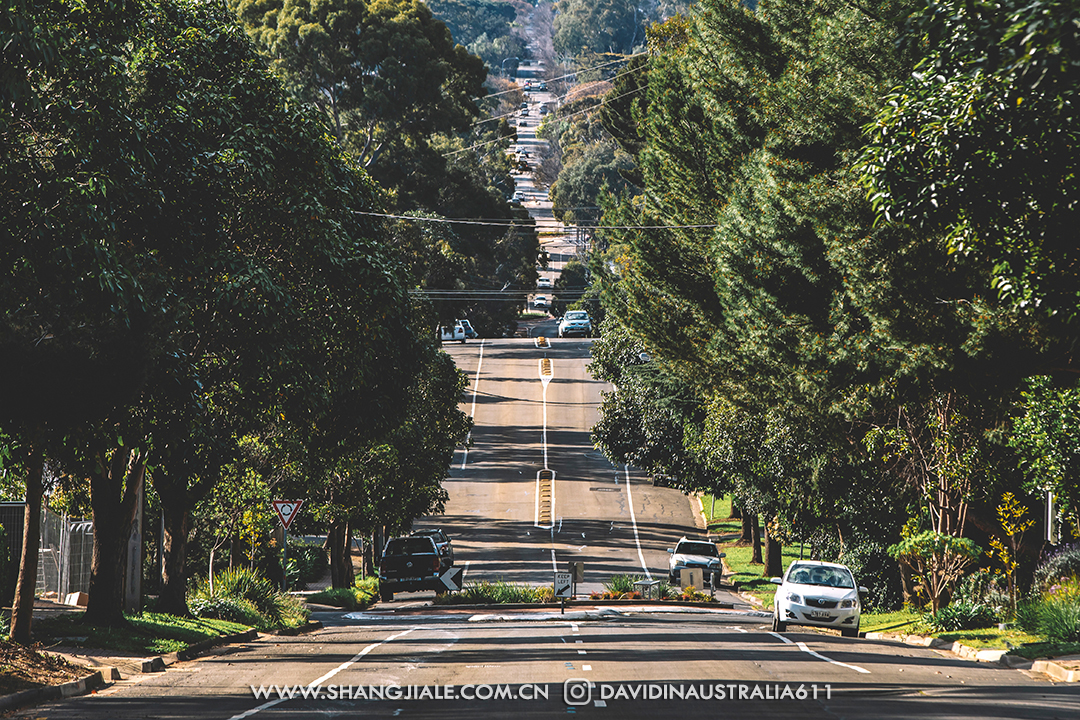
x=232 y=609
x=307 y=563
x=1059 y=615
x=275 y=608
x=491 y=593
x=983 y=587
x=1063 y=563
x=961 y=616
x=620 y=584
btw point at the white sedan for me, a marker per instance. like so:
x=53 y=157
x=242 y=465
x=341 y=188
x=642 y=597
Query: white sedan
x=819 y=594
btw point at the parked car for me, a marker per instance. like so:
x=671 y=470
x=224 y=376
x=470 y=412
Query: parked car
x=452 y=332
x=442 y=542
x=544 y=283
x=689 y=554
x=575 y=322
x=541 y=301
x=409 y=564
x=470 y=333
x=820 y=594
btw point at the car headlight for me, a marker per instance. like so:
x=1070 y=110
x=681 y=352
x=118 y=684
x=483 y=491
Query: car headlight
x=794 y=597
x=851 y=603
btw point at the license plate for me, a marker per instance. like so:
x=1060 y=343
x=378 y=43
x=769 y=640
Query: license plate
x=819 y=614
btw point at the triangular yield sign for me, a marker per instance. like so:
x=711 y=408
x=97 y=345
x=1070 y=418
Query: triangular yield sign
x=286 y=510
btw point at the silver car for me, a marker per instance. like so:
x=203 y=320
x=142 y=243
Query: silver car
x=575 y=322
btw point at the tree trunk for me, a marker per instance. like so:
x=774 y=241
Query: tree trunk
x=173 y=598
x=736 y=513
x=112 y=499
x=747 y=529
x=22 y=610
x=774 y=561
x=755 y=539
x=907 y=582
x=337 y=539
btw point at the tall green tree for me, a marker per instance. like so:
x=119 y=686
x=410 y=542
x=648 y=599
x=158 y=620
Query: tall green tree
x=386 y=72
x=981 y=142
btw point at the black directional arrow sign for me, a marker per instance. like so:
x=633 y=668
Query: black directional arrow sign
x=452 y=579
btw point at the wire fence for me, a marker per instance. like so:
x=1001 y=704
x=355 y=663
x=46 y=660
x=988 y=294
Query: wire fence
x=67 y=546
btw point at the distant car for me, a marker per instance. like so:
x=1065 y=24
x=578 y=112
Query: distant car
x=452 y=332
x=541 y=301
x=819 y=594
x=524 y=105
x=543 y=283
x=543 y=87
x=442 y=542
x=409 y=564
x=519 y=197
x=690 y=554
x=469 y=332
x=575 y=322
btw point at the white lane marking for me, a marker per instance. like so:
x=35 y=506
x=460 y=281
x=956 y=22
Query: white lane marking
x=580 y=652
x=819 y=656
x=573 y=627
x=472 y=412
x=633 y=521
x=856 y=668
x=343 y=666
x=554 y=565
x=579 y=641
x=586 y=667
x=465 y=570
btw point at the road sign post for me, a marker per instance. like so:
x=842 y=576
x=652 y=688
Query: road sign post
x=564 y=583
x=286 y=511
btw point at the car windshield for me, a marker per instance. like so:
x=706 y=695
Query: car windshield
x=409 y=546
x=696 y=548
x=577 y=315
x=819 y=575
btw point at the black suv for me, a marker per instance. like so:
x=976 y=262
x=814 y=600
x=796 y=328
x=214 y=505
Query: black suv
x=410 y=564
x=442 y=542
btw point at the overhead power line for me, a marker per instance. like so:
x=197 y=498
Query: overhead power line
x=512 y=223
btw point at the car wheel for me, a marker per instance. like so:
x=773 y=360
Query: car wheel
x=672 y=580
x=386 y=595
x=778 y=626
x=850 y=632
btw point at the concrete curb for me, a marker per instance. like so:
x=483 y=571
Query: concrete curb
x=1056 y=671
x=159 y=663
x=36 y=696
x=995 y=657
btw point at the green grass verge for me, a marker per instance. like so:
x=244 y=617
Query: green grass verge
x=749 y=576
x=360 y=597
x=147 y=633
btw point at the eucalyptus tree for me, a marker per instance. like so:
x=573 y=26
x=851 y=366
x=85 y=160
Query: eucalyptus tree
x=759 y=276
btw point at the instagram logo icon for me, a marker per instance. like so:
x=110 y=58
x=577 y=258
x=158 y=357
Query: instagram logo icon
x=577 y=691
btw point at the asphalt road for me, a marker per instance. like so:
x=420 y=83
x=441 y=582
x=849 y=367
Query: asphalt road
x=610 y=518
x=604 y=663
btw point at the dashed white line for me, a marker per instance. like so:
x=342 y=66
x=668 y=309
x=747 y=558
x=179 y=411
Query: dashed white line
x=343 y=666
x=472 y=412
